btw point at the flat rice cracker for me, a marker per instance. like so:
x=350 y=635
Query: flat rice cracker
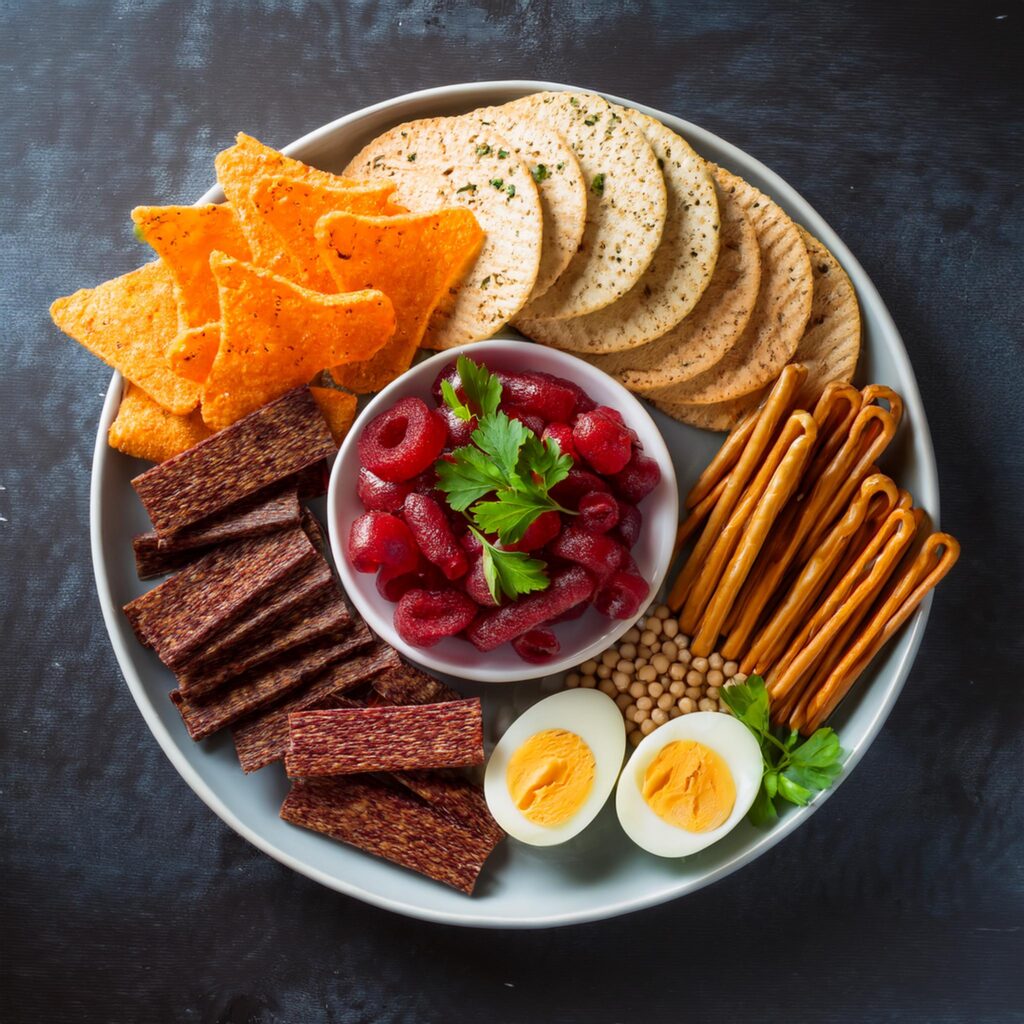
x=829 y=348
x=414 y=259
x=184 y=237
x=626 y=202
x=560 y=185
x=780 y=315
x=146 y=430
x=452 y=161
x=716 y=322
x=292 y=206
x=678 y=274
x=237 y=170
x=276 y=335
x=128 y=323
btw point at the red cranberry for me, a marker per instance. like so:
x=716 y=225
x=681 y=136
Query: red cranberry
x=569 y=491
x=536 y=646
x=391 y=585
x=573 y=613
x=403 y=441
x=539 y=394
x=378 y=539
x=380 y=495
x=425 y=617
x=528 y=419
x=459 y=431
x=476 y=585
x=599 y=511
x=602 y=439
x=561 y=433
x=622 y=595
x=630 y=521
x=544 y=528
x=433 y=533
x=596 y=552
x=637 y=479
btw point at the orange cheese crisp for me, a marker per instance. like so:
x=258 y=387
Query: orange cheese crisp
x=276 y=335
x=690 y=786
x=338 y=408
x=237 y=170
x=128 y=323
x=550 y=776
x=414 y=259
x=146 y=430
x=184 y=237
x=191 y=353
x=292 y=206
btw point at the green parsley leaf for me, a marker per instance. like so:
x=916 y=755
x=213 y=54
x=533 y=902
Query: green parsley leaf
x=513 y=512
x=793 y=791
x=540 y=173
x=468 y=478
x=762 y=810
x=511 y=573
x=498 y=183
x=544 y=458
x=501 y=437
x=483 y=150
x=749 y=703
x=482 y=388
x=452 y=400
x=597 y=185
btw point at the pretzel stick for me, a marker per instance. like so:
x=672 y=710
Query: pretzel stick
x=775 y=407
x=835 y=412
x=699 y=512
x=871 y=525
x=724 y=540
x=928 y=569
x=898 y=533
x=726 y=457
x=809 y=519
x=781 y=486
x=875 y=392
x=776 y=633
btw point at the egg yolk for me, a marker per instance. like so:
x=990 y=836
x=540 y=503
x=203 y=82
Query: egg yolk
x=550 y=776
x=690 y=786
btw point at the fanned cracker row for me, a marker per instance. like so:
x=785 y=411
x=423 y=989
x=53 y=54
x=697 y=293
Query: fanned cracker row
x=715 y=323
x=448 y=161
x=780 y=315
x=560 y=186
x=678 y=274
x=626 y=202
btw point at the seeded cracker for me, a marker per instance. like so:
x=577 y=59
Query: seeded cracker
x=128 y=323
x=780 y=315
x=715 y=323
x=444 y=162
x=560 y=185
x=678 y=274
x=383 y=819
x=349 y=741
x=263 y=738
x=177 y=617
x=265 y=685
x=626 y=202
x=272 y=443
x=251 y=518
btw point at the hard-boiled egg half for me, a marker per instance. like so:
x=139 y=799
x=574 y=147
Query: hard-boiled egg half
x=689 y=783
x=555 y=766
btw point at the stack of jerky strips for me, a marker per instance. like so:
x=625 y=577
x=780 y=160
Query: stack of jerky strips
x=256 y=631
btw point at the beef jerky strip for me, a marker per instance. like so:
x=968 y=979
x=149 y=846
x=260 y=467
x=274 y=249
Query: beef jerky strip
x=266 y=446
x=312 y=481
x=156 y=556
x=387 y=821
x=349 y=741
x=314 y=531
x=265 y=684
x=409 y=685
x=322 y=617
x=309 y=583
x=263 y=738
x=179 y=616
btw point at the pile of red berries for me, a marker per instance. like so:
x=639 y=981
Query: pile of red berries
x=430 y=562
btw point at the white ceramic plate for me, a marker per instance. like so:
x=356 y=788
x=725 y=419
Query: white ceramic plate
x=599 y=873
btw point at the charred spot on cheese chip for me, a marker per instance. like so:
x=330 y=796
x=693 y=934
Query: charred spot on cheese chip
x=146 y=430
x=292 y=206
x=275 y=335
x=191 y=353
x=237 y=169
x=281 y=439
x=414 y=259
x=128 y=322
x=184 y=237
x=338 y=408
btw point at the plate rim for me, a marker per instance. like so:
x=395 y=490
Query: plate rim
x=672 y=889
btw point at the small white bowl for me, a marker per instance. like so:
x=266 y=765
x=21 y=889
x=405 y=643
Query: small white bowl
x=580 y=639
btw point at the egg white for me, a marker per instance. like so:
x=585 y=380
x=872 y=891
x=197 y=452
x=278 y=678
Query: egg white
x=730 y=739
x=592 y=716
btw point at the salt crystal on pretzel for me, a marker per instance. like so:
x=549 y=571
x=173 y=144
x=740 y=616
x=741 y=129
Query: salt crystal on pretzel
x=783 y=483
x=772 y=413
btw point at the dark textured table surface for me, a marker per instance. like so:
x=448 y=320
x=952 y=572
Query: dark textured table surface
x=124 y=899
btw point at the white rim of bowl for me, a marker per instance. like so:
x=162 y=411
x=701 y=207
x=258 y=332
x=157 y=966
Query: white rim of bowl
x=790 y=199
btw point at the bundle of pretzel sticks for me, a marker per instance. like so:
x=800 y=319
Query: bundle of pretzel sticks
x=806 y=559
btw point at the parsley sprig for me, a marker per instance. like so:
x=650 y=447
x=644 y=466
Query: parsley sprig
x=793 y=770
x=510 y=467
